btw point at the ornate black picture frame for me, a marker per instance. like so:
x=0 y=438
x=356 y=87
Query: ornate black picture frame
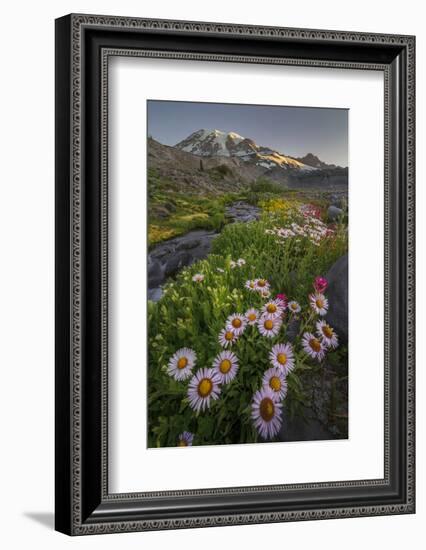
x=84 y=44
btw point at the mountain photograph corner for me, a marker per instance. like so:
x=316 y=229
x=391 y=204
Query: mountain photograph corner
x=247 y=267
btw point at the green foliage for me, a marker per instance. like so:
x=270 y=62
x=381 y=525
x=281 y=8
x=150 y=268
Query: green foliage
x=192 y=314
x=263 y=189
x=265 y=185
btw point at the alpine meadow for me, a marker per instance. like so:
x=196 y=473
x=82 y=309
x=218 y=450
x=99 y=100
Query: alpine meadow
x=247 y=274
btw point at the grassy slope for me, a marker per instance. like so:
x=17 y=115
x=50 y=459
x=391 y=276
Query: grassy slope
x=174 y=212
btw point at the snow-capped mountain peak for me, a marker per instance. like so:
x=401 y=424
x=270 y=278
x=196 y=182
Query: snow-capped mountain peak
x=210 y=143
x=216 y=143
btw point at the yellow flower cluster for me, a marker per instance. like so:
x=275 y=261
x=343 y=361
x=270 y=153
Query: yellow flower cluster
x=279 y=206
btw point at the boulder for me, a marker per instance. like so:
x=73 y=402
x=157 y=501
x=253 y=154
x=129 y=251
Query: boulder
x=155 y=273
x=176 y=262
x=334 y=213
x=337 y=294
x=154 y=294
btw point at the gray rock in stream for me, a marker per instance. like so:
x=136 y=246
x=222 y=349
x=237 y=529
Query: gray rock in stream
x=242 y=212
x=177 y=262
x=155 y=273
x=169 y=257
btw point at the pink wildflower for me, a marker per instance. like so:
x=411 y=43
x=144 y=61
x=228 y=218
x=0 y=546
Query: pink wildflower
x=320 y=284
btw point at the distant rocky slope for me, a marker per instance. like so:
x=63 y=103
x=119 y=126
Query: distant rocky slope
x=200 y=174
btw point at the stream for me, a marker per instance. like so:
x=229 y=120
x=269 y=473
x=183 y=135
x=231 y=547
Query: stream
x=167 y=258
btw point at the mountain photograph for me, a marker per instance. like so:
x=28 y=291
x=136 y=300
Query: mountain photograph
x=247 y=273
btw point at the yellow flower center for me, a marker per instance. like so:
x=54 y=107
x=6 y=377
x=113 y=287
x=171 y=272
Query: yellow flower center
x=252 y=317
x=182 y=443
x=205 y=387
x=236 y=323
x=261 y=283
x=268 y=324
x=315 y=344
x=275 y=383
x=293 y=306
x=282 y=358
x=328 y=331
x=267 y=409
x=271 y=308
x=181 y=364
x=225 y=366
x=229 y=335
x=251 y=284
x=319 y=303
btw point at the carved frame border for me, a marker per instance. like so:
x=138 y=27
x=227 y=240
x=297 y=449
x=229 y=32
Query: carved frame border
x=78 y=23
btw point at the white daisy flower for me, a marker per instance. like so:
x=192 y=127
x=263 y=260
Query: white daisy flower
x=319 y=303
x=269 y=327
x=233 y=264
x=185 y=439
x=198 y=278
x=236 y=323
x=220 y=270
x=265 y=293
x=274 y=378
x=326 y=332
x=250 y=285
x=252 y=315
x=226 y=366
x=241 y=262
x=266 y=413
x=227 y=337
x=281 y=356
x=203 y=387
x=181 y=363
x=262 y=284
x=313 y=346
x=273 y=308
x=294 y=307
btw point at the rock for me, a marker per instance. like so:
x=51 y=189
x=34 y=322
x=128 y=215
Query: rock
x=161 y=212
x=300 y=429
x=293 y=329
x=176 y=262
x=154 y=294
x=155 y=273
x=337 y=294
x=325 y=411
x=188 y=244
x=333 y=213
x=242 y=212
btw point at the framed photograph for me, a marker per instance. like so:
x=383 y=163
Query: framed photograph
x=234 y=274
